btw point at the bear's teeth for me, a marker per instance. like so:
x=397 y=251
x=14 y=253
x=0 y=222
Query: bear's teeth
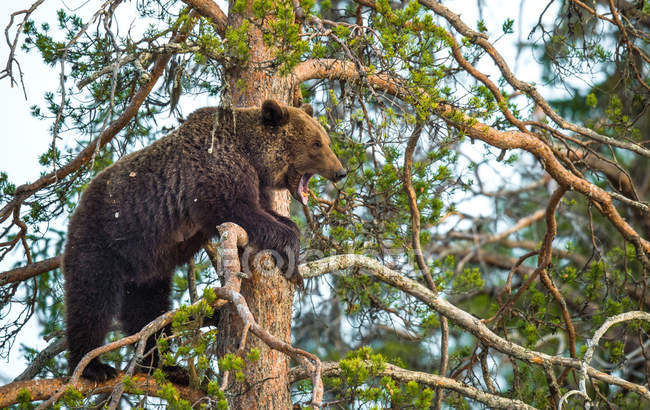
x=303 y=188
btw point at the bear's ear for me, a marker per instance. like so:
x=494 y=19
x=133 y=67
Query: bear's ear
x=308 y=109
x=274 y=114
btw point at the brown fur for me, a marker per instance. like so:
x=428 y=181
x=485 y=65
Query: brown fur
x=152 y=211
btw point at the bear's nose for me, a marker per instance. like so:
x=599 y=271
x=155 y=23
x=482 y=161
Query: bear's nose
x=340 y=174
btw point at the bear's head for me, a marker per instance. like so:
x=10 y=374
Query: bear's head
x=306 y=149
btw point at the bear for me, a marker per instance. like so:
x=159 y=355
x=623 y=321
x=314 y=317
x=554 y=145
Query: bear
x=152 y=210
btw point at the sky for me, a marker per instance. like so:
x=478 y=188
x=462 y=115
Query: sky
x=24 y=138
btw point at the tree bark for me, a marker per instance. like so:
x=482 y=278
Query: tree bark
x=269 y=294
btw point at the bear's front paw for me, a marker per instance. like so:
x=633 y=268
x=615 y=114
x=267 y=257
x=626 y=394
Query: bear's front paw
x=291 y=257
x=98 y=371
x=284 y=244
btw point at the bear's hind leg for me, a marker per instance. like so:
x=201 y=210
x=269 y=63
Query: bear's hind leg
x=92 y=296
x=143 y=303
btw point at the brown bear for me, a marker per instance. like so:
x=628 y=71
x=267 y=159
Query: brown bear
x=152 y=211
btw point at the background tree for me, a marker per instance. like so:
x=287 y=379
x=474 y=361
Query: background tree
x=489 y=245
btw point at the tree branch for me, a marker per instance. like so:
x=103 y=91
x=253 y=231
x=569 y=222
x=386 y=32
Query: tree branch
x=330 y=68
x=427 y=379
x=26 y=190
x=458 y=316
x=417 y=249
x=42 y=358
x=210 y=10
x=8 y=70
x=29 y=271
x=46 y=388
x=593 y=342
x=530 y=90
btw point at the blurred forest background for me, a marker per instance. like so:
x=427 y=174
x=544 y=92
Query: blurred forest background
x=495 y=214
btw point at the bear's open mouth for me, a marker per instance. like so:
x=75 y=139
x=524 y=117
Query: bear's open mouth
x=302 y=191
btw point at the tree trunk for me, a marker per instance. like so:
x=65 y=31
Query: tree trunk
x=269 y=296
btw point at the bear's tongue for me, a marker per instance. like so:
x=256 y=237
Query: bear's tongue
x=303 y=188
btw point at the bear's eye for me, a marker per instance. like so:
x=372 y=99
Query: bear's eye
x=317 y=144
